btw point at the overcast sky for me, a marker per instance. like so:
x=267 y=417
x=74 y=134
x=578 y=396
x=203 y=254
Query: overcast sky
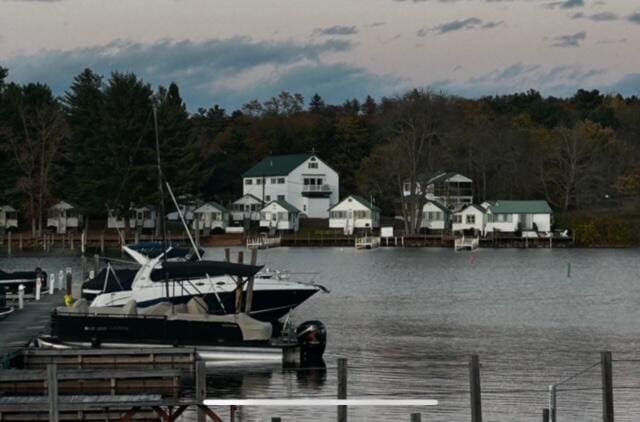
x=229 y=52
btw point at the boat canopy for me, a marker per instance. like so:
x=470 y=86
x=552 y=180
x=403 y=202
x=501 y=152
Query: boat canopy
x=154 y=249
x=201 y=269
x=123 y=281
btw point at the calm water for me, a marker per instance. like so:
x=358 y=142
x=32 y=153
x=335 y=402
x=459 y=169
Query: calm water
x=407 y=319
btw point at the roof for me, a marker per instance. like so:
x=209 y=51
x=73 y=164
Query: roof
x=198 y=269
x=438 y=205
x=213 y=204
x=7 y=208
x=247 y=195
x=476 y=206
x=445 y=176
x=284 y=204
x=277 y=165
x=62 y=205
x=520 y=207
x=362 y=200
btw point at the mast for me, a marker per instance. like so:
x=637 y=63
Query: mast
x=163 y=228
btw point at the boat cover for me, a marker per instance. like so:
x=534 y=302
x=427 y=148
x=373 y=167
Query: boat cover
x=200 y=269
x=126 y=277
x=18 y=275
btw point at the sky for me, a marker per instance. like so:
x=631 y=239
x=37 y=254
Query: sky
x=229 y=52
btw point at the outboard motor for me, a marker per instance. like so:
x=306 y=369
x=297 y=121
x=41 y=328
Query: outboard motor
x=312 y=336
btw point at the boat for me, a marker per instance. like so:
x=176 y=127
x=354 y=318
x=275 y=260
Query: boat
x=274 y=295
x=4 y=309
x=11 y=281
x=236 y=336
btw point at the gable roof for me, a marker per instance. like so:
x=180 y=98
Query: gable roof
x=7 y=208
x=520 y=207
x=445 y=176
x=247 y=195
x=478 y=207
x=62 y=205
x=360 y=199
x=439 y=206
x=212 y=204
x=284 y=204
x=277 y=165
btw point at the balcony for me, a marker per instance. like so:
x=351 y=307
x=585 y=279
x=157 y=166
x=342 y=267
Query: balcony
x=316 y=191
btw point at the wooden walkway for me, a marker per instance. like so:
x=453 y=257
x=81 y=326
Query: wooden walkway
x=22 y=326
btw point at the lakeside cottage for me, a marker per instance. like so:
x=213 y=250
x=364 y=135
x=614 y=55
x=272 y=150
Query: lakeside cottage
x=451 y=189
x=512 y=216
x=211 y=217
x=8 y=217
x=354 y=212
x=280 y=215
x=302 y=180
x=142 y=217
x=470 y=217
x=435 y=216
x=62 y=217
x=246 y=209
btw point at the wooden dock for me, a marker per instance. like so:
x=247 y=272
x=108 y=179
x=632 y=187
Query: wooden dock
x=19 y=328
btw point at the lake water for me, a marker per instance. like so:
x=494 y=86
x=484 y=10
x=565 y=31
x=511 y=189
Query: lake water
x=407 y=319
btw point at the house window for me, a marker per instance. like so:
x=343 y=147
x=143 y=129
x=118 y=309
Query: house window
x=281 y=198
x=248 y=181
x=471 y=219
x=313 y=165
x=304 y=208
x=255 y=207
x=457 y=218
x=267 y=198
x=281 y=180
x=274 y=180
x=407 y=186
x=265 y=215
x=361 y=214
x=338 y=214
x=258 y=181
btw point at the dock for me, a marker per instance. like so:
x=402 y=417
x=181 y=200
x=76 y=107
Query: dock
x=20 y=327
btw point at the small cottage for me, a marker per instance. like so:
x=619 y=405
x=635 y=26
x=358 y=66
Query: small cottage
x=62 y=217
x=246 y=208
x=211 y=217
x=470 y=217
x=513 y=216
x=352 y=213
x=8 y=217
x=435 y=216
x=280 y=215
x=143 y=217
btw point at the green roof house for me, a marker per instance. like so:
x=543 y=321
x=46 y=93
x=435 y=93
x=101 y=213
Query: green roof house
x=302 y=180
x=280 y=215
x=512 y=216
x=354 y=212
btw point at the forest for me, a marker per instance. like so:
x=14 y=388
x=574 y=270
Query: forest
x=94 y=146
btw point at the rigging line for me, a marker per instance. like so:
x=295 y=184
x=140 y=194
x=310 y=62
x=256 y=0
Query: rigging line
x=577 y=374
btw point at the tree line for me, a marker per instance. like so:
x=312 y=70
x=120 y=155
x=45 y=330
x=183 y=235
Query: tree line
x=94 y=146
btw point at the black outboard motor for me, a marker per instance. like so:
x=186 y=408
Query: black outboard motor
x=312 y=336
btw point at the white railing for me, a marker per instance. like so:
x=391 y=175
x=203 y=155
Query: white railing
x=263 y=242
x=316 y=188
x=367 y=242
x=466 y=243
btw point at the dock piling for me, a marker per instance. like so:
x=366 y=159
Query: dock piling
x=60 y=279
x=276 y=419
x=227 y=254
x=52 y=283
x=52 y=390
x=545 y=415
x=474 y=383
x=9 y=243
x=552 y=403
x=69 y=282
x=38 y=286
x=96 y=264
x=416 y=417
x=342 y=388
x=607 y=387
x=21 y=296
x=201 y=388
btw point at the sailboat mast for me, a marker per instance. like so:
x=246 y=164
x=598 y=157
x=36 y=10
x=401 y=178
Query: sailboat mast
x=163 y=228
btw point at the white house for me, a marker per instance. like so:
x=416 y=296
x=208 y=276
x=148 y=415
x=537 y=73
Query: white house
x=8 y=217
x=302 y=180
x=354 y=212
x=143 y=217
x=435 y=216
x=211 y=217
x=472 y=217
x=63 y=216
x=246 y=208
x=451 y=189
x=511 y=216
x=186 y=208
x=280 y=215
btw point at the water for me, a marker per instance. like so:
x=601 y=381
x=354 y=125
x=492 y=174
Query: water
x=407 y=319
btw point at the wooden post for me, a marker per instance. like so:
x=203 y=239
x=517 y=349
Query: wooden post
x=69 y=282
x=201 y=387
x=552 y=403
x=227 y=254
x=276 y=420
x=83 y=241
x=607 y=387
x=545 y=415
x=416 y=417
x=96 y=263
x=83 y=265
x=102 y=244
x=196 y=222
x=474 y=384
x=9 y=243
x=20 y=241
x=71 y=240
x=52 y=389
x=342 y=388
x=249 y=301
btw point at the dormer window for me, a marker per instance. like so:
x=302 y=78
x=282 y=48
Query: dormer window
x=313 y=165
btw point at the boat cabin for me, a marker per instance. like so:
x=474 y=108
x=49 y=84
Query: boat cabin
x=354 y=213
x=8 y=217
x=280 y=215
x=211 y=217
x=62 y=217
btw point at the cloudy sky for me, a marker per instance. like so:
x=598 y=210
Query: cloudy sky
x=229 y=52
